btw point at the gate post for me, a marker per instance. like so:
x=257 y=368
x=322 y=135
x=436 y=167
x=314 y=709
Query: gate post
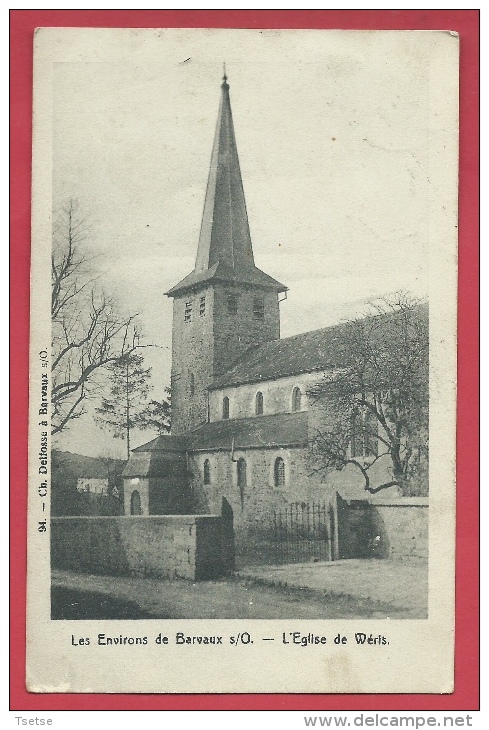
x=227 y=537
x=335 y=525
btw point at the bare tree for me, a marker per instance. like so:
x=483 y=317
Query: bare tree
x=374 y=405
x=88 y=330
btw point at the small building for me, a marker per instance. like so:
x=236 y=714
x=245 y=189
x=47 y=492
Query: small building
x=156 y=479
x=83 y=485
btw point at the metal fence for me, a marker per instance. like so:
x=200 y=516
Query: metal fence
x=303 y=532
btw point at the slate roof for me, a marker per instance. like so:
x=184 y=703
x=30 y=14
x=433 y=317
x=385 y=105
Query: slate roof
x=175 y=444
x=225 y=252
x=138 y=465
x=152 y=462
x=307 y=352
x=251 y=276
x=282 y=429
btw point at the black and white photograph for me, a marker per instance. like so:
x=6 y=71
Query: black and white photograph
x=243 y=372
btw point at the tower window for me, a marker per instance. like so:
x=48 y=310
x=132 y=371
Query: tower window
x=241 y=474
x=296 y=399
x=232 y=303
x=279 y=472
x=259 y=404
x=207 y=471
x=225 y=407
x=202 y=307
x=188 y=312
x=258 y=308
x=192 y=384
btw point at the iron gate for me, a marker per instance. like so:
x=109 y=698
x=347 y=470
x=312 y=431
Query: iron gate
x=303 y=532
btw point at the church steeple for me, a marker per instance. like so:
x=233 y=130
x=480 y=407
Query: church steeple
x=226 y=305
x=225 y=252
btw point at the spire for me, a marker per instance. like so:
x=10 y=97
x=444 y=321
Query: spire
x=225 y=251
x=224 y=234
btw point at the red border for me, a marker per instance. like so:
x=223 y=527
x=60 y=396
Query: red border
x=466 y=22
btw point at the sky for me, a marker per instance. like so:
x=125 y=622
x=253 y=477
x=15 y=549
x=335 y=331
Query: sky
x=332 y=135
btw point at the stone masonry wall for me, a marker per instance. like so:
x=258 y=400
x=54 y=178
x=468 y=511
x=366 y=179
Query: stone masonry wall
x=253 y=507
x=256 y=503
x=141 y=486
x=176 y=546
x=277 y=396
x=383 y=528
x=402 y=526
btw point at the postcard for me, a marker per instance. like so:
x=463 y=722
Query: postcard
x=243 y=361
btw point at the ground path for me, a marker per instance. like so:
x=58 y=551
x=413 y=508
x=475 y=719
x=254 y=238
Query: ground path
x=401 y=583
x=80 y=596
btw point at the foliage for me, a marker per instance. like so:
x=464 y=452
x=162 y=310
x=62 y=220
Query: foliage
x=377 y=397
x=157 y=415
x=124 y=407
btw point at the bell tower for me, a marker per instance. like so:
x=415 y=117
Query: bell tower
x=226 y=304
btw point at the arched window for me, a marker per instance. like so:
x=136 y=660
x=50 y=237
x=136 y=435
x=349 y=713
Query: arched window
x=225 y=407
x=241 y=471
x=356 y=442
x=192 y=384
x=279 y=472
x=135 y=503
x=207 y=471
x=370 y=440
x=296 y=399
x=364 y=440
x=259 y=404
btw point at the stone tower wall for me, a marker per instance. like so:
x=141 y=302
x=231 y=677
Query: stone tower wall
x=208 y=344
x=192 y=353
x=235 y=333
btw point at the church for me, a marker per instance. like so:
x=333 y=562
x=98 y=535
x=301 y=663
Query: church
x=242 y=423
